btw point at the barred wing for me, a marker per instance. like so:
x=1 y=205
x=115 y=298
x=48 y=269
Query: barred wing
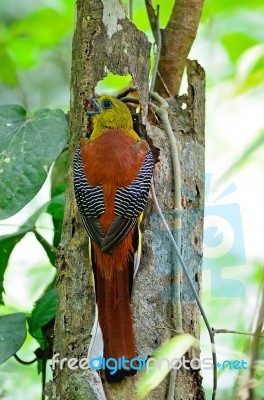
x=90 y=200
x=130 y=202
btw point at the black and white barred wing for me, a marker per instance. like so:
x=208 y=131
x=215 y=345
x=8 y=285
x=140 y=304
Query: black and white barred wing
x=90 y=200
x=129 y=204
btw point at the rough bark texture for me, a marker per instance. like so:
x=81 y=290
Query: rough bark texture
x=97 y=50
x=177 y=40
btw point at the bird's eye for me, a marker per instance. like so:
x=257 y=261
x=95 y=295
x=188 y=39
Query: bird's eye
x=107 y=104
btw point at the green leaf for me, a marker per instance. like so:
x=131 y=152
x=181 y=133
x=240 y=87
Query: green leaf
x=33 y=28
x=236 y=43
x=174 y=348
x=59 y=174
x=56 y=210
x=56 y=206
x=226 y=7
x=8 y=73
x=43 y=312
x=12 y=334
x=57 y=203
x=8 y=242
x=50 y=251
x=28 y=147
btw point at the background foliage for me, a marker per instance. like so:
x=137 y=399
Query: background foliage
x=35 y=57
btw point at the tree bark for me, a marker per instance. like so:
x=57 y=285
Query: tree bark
x=177 y=40
x=105 y=40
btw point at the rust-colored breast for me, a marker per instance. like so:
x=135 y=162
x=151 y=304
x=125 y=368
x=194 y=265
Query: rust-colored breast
x=113 y=158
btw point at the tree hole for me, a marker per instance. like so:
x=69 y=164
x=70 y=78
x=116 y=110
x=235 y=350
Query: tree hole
x=113 y=84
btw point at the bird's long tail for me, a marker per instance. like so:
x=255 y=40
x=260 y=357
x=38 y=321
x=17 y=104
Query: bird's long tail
x=115 y=320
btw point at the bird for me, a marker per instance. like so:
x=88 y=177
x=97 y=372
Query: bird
x=112 y=172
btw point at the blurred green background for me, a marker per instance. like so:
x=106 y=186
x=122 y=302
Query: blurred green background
x=35 y=54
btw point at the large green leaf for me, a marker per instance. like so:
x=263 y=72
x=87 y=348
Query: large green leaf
x=7 y=68
x=226 y=7
x=236 y=43
x=12 y=334
x=28 y=147
x=8 y=242
x=43 y=312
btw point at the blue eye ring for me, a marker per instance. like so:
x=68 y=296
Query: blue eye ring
x=106 y=104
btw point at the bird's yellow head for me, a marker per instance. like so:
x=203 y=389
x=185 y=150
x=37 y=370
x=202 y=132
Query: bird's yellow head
x=109 y=113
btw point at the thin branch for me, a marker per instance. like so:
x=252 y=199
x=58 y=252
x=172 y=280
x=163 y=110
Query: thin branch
x=131 y=10
x=152 y=18
x=24 y=362
x=235 y=332
x=163 y=115
x=158 y=51
x=129 y=99
x=164 y=84
x=43 y=379
x=66 y=148
x=126 y=91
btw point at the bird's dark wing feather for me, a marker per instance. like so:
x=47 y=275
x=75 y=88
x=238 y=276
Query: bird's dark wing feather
x=129 y=204
x=90 y=200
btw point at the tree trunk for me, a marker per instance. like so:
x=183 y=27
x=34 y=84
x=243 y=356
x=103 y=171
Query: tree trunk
x=105 y=40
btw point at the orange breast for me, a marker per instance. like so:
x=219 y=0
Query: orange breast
x=113 y=158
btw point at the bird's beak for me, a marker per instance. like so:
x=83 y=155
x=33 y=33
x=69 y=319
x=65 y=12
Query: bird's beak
x=94 y=108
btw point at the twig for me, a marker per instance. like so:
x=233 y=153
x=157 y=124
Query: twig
x=131 y=10
x=24 y=362
x=66 y=148
x=235 y=332
x=126 y=91
x=43 y=378
x=163 y=115
x=158 y=45
x=164 y=84
x=152 y=18
x=129 y=99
